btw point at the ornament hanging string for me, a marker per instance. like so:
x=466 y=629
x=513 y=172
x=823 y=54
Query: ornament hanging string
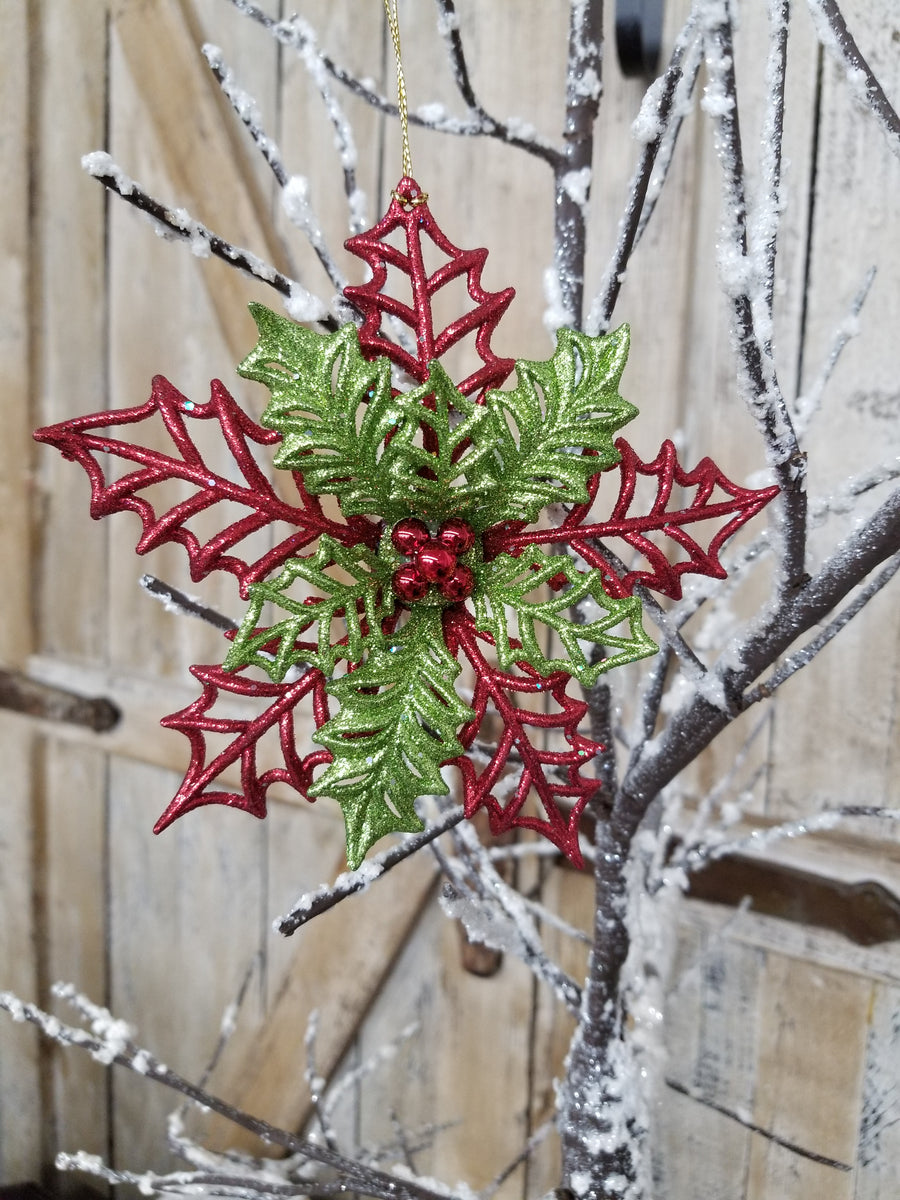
x=390 y=9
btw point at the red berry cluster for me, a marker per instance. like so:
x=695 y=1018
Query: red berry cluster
x=434 y=559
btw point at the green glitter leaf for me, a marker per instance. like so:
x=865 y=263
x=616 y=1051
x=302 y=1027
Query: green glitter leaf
x=397 y=723
x=558 y=409
x=318 y=383
x=454 y=473
x=355 y=600
x=505 y=582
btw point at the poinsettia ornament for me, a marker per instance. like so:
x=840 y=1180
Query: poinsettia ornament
x=436 y=558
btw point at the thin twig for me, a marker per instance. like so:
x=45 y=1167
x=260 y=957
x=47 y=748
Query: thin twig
x=772 y=137
x=184 y=605
x=181 y=225
x=507 y=132
x=802 y=658
x=739 y=271
x=314 y=1081
x=659 y=113
x=115 y=1046
x=351 y=882
x=245 y=107
x=837 y=38
x=808 y=404
x=698 y=855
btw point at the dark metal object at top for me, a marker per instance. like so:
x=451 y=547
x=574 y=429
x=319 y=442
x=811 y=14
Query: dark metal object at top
x=639 y=25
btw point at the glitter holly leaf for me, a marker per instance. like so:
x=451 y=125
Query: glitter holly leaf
x=523 y=762
x=320 y=384
x=198 y=719
x=85 y=439
x=350 y=582
x=381 y=311
x=505 y=583
x=559 y=409
x=453 y=468
x=397 y=724
x=724 y=505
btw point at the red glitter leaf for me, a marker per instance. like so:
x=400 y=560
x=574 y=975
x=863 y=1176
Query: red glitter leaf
x=738 y=506
x=195 y=721
x=82 y=438
x=413 y=216
x=555 y=775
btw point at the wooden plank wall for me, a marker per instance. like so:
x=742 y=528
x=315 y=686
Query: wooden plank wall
x=773 y=1029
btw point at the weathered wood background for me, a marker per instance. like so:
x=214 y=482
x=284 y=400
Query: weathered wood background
x=783 y=1076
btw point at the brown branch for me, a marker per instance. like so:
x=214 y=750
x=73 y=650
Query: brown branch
x=699 y=722
x=765 y=399
x=571 y=173
x=356 y=881
x=836 y=37
x=354 y=1175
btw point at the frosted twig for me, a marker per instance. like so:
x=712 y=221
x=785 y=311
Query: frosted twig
x=351 y=882
x=509 y=132
x=767 y=1134
x=697 y=856
x=837 y=38
x=315 y=1082
x=744 y=283
x=297 y=33
x=182 y=1183
x=184 y=605
x=681 y=107
x=564 y=283
x=369 y=1066
x=843 y=500
x=808 y=404
x=498 y=912
x=712 y=797
x=295 y=205
x=660 y=112
x=524 y=1154
x=651 y=700
x=113 y=1044
x=770 y=155
x=245 y=107
x=180 y=225
x=802 y=658
x=695 y=725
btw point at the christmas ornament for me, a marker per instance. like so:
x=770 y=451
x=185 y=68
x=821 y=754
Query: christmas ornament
x=434 y=558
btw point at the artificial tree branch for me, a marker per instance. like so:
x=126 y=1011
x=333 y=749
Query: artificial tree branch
x=179 y=224
x=660 y=115
x=837 y=38
x=487 y=126
x=113 y=1044
x=741 y=270
x=351 y=882
x=696 y=724
x=772 y=139
x=245 y=107
x=797 y=661
x=572 y=174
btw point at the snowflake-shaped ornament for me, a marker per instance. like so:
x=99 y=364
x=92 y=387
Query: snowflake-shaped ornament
x=436 y=558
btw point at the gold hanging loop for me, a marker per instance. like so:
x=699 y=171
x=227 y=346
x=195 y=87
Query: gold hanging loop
x=390 y=8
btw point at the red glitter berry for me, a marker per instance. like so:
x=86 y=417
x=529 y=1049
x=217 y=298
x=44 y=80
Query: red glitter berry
x=558 y=581
x=456 y=536
x=436 y=562
x=460 y=584
x=409 y=584
x=409 y=535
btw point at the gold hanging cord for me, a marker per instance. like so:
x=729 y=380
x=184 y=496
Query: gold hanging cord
x=390 y=8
